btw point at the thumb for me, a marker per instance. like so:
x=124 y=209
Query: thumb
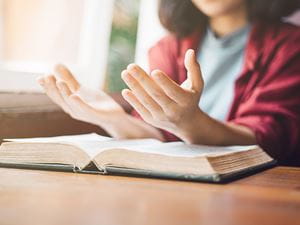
x=194 y=75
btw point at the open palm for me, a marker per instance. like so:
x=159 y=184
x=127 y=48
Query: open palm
x=93 y=106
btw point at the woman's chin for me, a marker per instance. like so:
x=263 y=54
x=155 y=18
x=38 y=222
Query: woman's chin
x=215 y=8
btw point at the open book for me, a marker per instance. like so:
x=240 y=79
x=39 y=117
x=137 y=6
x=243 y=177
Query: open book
x=92 y=153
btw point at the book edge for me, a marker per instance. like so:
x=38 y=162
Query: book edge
x=209 y=178
x=110 y=170
x=41 y=166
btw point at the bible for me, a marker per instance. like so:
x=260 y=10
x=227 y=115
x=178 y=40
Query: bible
x=92 y=153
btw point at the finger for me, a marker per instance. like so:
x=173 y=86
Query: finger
x=74 y=101
x=194 y=74
x=73 y=104
x=141 y=94
x=150 y=86
x=64 y=88
x=136 y=104
x=65 y=74
x=65 y=93
x=170 y=87
x=49 y=85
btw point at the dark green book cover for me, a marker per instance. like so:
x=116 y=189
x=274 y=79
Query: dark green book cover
x=110 y=170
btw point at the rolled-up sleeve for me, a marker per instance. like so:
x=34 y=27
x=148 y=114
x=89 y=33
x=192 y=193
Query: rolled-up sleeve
x=272 y=108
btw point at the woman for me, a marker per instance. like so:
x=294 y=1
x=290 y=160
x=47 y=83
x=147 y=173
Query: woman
x=251 y=72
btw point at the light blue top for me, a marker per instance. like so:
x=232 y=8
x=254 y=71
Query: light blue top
x=221 y=61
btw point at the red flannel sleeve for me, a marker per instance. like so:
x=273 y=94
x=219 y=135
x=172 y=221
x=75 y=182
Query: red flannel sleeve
x=272 y=110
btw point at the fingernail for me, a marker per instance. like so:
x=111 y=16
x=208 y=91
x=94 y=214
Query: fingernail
x=123 y=73
x=155 y=74
x=191 y=52
x=124 y=91
x=125 y=76
x=133 y=69
x=126 y=94
x=131 y=66
x=59 y=67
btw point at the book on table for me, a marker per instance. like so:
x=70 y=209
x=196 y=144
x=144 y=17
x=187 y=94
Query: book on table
x=92 y=153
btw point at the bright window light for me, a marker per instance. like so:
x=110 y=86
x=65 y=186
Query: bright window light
x=36 y=34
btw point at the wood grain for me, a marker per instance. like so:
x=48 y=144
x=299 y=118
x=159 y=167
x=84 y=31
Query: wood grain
x=45 y=197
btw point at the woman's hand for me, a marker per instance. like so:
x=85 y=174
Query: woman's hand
x=94 y=106
x=81 y=103
x=166 y=105
x=160 y=101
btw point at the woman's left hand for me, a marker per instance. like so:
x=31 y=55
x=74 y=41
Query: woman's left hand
x=163 y=103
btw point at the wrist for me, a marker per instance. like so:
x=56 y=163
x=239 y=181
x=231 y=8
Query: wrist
x=113 y=121
x=128 y=127
x=202 y=129
x=192 y=131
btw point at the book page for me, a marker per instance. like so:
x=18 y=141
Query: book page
x=181 y=149
x=91 y=143
x=60 y=139
x=92 y=148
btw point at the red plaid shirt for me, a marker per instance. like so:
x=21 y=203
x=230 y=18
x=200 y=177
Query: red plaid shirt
x=267 y=92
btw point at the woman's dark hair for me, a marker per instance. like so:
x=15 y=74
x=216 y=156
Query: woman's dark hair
x=181 y=17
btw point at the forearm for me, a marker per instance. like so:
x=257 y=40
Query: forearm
x=205 y=130
x=129 y=127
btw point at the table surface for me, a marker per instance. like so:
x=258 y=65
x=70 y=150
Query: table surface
x=46 y=197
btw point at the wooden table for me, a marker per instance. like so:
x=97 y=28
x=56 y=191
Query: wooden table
x=44 y=197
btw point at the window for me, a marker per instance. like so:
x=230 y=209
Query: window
x=135 y=29
x=122 y=42
x=36 y=34
x=97 y=39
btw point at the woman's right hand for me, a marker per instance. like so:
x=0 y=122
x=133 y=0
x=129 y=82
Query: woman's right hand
x=81 y=103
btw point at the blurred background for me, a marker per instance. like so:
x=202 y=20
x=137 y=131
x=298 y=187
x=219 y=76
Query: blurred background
x=122 y=41
x=96 y=39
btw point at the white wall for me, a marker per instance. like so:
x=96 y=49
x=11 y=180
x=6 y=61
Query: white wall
x=90 y=58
